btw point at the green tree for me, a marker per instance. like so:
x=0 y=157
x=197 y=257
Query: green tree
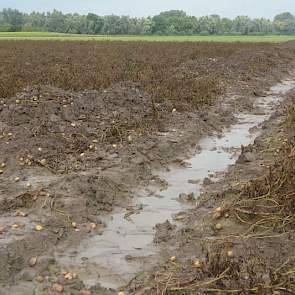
x=214 y=24
x=111 y=25
x=12 y=19
x=56 y=22
x=263 y=26
x=94 y=23
x=284 y=23
x=4 y=26
x=34 y=21
x=284 y=17
x=243 y=25
x=226 y=25
x=203 y=24
x=76 y=24
x=172 y=22
x=143 y=26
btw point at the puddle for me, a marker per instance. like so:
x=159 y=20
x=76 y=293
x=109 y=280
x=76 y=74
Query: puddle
x=104 y=258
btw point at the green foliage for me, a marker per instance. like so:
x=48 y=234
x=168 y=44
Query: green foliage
x=4 y=26
x=94 y=23
x=173 y=22
x=146 y=38
x=12 y=19
x=284 y=23
x=285 y=16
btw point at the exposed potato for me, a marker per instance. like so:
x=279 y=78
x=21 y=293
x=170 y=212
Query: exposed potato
x=219 y=226
x=38 y=227
x=173 y=258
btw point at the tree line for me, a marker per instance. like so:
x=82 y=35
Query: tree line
x=173 y=22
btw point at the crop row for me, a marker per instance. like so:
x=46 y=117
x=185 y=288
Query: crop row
x=185 y=73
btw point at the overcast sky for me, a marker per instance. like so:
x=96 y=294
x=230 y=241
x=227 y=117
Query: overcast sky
x=228 y=8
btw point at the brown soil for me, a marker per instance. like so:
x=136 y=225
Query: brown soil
x=68 y=158
x=239 y=238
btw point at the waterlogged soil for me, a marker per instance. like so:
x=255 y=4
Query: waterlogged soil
x=212 y=241
x=132 y=238
x=82 y=212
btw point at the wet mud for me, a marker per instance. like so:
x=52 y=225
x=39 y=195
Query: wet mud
x=131 y=236
x=95 y=185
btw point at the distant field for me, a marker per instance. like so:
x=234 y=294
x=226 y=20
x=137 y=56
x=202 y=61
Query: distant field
x=72 y=37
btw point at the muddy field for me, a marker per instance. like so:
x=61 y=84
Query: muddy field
x=93 y=135
x=239 y=237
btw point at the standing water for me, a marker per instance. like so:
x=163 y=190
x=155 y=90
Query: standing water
x=104 y=258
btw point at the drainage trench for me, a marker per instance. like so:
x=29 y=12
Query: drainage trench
x=104 y=258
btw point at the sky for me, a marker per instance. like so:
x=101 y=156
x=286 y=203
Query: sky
x=225 y=8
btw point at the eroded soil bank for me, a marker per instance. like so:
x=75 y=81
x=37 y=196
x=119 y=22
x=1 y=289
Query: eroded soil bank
x=60 y=181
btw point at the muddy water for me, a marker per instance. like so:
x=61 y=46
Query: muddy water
x=113 y=257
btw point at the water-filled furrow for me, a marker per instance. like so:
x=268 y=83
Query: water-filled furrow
x=103 y=258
